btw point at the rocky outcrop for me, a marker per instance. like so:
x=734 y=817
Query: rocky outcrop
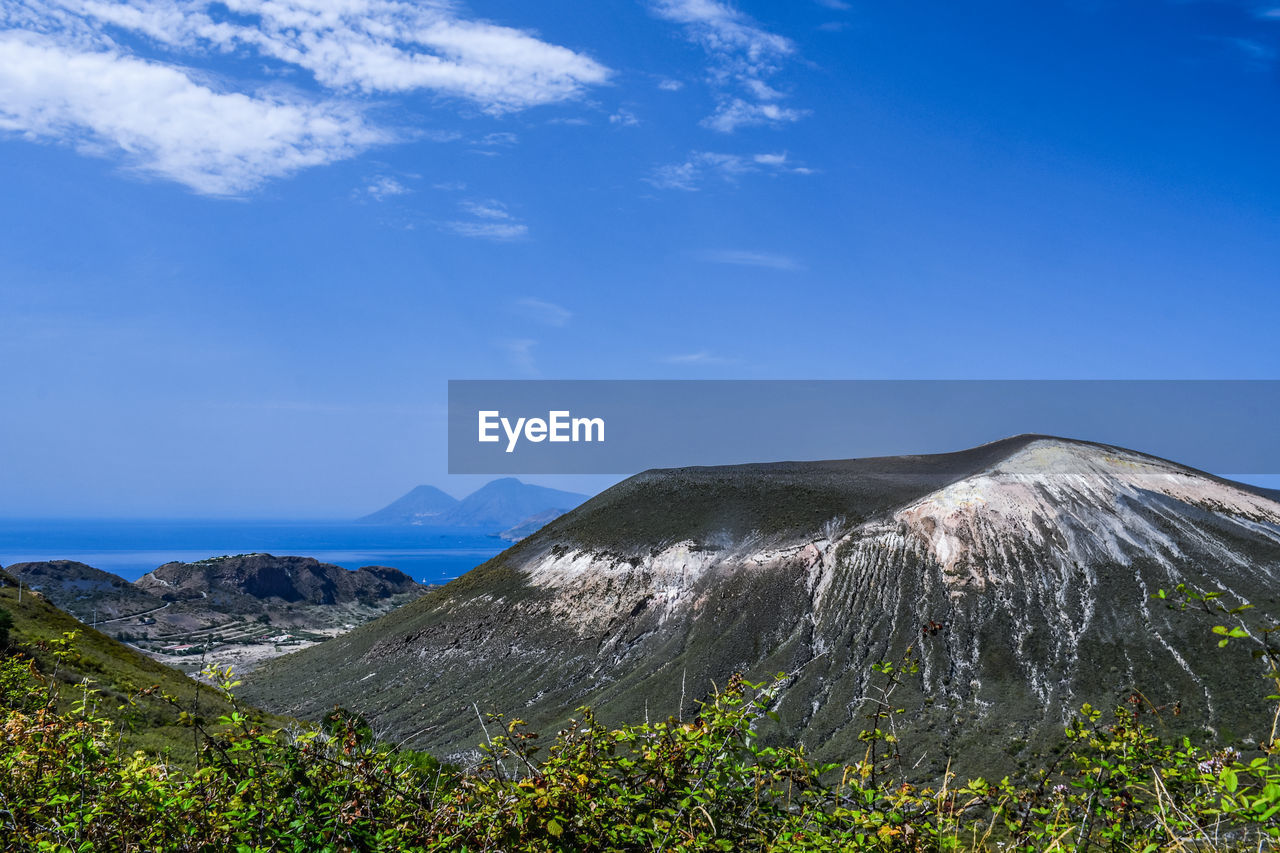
x=264 y=576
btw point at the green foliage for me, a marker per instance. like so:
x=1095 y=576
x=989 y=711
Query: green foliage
x=708 y=783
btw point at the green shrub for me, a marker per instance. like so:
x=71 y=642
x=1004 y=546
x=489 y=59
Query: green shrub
x=702 y=784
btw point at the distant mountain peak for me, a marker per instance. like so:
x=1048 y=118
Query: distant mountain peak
x=419 y=505
x=494 y=507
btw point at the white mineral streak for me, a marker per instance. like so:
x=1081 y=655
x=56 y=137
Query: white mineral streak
x=605 y=586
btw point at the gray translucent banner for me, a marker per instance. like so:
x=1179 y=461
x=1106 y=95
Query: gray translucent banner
x=626 y=426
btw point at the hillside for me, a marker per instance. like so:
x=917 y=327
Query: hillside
x=1020 y=572
x=119 y=672
x=85 y=591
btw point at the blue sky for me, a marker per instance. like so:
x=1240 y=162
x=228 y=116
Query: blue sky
x=244 y=245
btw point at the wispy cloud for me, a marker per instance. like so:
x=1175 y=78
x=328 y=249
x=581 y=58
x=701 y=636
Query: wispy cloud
x=382 y=188
x=696 y=358
x=1256 y=54
x=743 y=55
x=838 y=5
x=486 y=209
x=502 y=232
x=701 y=166
x=624 y=118
x=501 y=138
x=490 y=220
x=670 y=85
x=66 y=76
x=541 y=311
x=736 y=113
x=745 y=258
x=520 y=352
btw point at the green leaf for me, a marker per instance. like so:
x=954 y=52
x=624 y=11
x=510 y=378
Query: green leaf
x=554 y=828
x=1229 y=780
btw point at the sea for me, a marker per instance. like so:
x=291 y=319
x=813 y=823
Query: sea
x=131 y=548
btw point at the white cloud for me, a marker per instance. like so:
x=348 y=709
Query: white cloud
x=624 y=118
x=1270 y=13
x=373 y=46
x=383 y=188
x=670 y=85
x=752 y=259
x=781 y=161
x=541 y=311
x=486 y=209
x=736 y=113
x=165 y=123
x=742 y=55
x=838 y=5
x=702 y=166
x=736 y=42
x=67 y=75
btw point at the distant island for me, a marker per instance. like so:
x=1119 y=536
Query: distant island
x=506 y=507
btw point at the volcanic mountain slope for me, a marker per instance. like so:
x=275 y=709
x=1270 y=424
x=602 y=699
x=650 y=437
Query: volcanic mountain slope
x=1021 y=573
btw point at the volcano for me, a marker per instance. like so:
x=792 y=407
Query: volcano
x=1022 y=575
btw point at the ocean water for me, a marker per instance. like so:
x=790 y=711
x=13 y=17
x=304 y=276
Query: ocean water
x=132 y=548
